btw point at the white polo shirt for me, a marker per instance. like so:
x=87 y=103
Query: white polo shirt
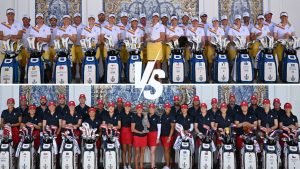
x=243 y=31
x=270 y=25
x=174 y=31
x=93 y=32
x=154 y=31
x=137 y=33
x=26 y=34
x=123 y=29
x=79 y=29
x=192 y=31
x=282 y=30
x=215 y=32
x=41 y=32
x=264 y=31
x=184 y=27
x=11 y=29
x=113 y=31
x=70 y=30
x=100 y=25
x=53 y=35
x=250 y=26
x=226 y=29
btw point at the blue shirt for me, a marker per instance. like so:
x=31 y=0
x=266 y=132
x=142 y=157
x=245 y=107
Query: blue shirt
x=11 y=117
x=286 y=121
x=114 y=119
x=201 y=120
x=52 y=119
x=126 y=119
x=223 y=122
x=137 y=120
x=267 y=119
x=185 y=121
x=240 y=117
x=167 y=120
x=153 y=120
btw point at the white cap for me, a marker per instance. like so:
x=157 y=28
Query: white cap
x=101 y=12
x=143 y=15
x=223 y=17
x=26 y=16
x=10 y=10
x=283 y=14
x=214 y=19
x=124 y=14
x=39 y=15
x=155 y=14
x=195 y=18
x=112 y=15
x=66 y=16
x=202 y=14
x=164 y=15
x=268 y=12
x=260 y=17
x=246 y=14
x=134 y=19
x=77 y=14
x=185 y=14
x=237 y=17
x=174 y=17
x=52 y=16
x=92 y=16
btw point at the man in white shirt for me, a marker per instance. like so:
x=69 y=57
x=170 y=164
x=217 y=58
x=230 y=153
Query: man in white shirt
x=268 y=21
x=135 y=31
x=101 y=23
x=124 y=26
x=225 y=24
x=185 y=22
x=24 y=53
x=246 y=21
x=142 y=25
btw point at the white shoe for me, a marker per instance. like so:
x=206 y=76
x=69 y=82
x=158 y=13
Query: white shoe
x=125 y=167
x=166 y=167
x=129 y=167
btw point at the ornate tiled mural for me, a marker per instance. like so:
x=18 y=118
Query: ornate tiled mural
x=129 y=92
x=58 y=7
x=33 y=93
x=231 y=8
x=242 y=93
x=136 y=7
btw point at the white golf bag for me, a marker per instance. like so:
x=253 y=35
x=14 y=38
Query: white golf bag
x=69 y=150
x=89 y=157
x=134 y=48
x=111 y=145
x=6 y=148
x=249 y=151
x=271 y=149
x=9 y=72
x=25 y=150
x=291 y=149
x=227 y=150
x=48 y=149
x=184 y=146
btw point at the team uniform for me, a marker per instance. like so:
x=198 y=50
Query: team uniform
x=203 y=120
x=193 y=112
x=70 y=30
x=186 y=121
x=139 y=140
x=77 y=52
x=123 y=52
x=195 y=31
x=113 y=31
x=167 y=120
x=175 y=111
x=101 y=113
x=52 y=119
x=226 y=29
x=36 y=133
x=83 y=111
x=113 y=120
x=126 y=136
x=153 y=134
x=94 y=124
x=139 y=33
x=265 y=31
x=73 y=120
x=258 y=110
x=93 y=32
x=23 y=112
x=173 y=31
x=271 y=26
x=155 y=50
x=42 y=32
x=211 y=51
x=24 y=53
x=232 y=111
x=234 y=31
x=281 y=30
x=223 y=122
x=12 y=118
x=41 y=112
x=214 y=112
x=62 y=111
x=101 y=25
x=52 y=51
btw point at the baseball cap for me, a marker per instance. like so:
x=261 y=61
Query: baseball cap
x=164 y=15
x=176 y=98
x=39 y=15
x=203 y=105
x=246 y=14
x=232 y=96
x=237 y=17
x=134 y=19
x=185 y=14
x=92 y=109
x=223 y=105
x=167 y=105
x=184 y=106
x=244 y=103
x=92 y=16
x=71 y=103
x=112 y=15
x=77 y=14
x=26 y=16
x=52 y=17
x=127 y=104
x=288 y=106
x=155 y=14
x=260 y=17
x=195 y=18
x=276 y=100
x=196 y=98
x=152 y=105
x=61 y=96
x=268 y=12
x=81 y=96
x=119 y=100
x=214 y=100
x=66 y=16
x=23 y=97
x=32 y=107
x=111 y=104
x=101 y=12
x=139 y=106
x=203 y=14
x=223 y=17
x=215 y=19
x=266 y=101
x=124 y=14
x=10 y=10
x=253 y=97
x=100 y=102
x=174 y=17
x=43 y=97
x=10 y=100
x=283 y=14
x=142 y=15
x=51 y=103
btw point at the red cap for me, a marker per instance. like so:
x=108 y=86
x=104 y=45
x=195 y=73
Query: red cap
x=203 y=105
x=266 y=101
x=288 y=106
x=223 y=105
x=32 y=107
x=51 y=103
x=127 y=104
x=23 y=97
x=232 y=96
x=111 y=104
x=244 y=103
x=92 y=109
x=196 y=98
x=276 y=100
x=139 y=106
x=100 y=102
x=61 y=96
x=152 y=105
x=253 y=97
x=214 y=100
x=10 y=100
x=82 y=96
x=43 y=97
x=71 y=103
x=120 y=100
x=176 y=98
x=184 y=106
x=167 y=105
